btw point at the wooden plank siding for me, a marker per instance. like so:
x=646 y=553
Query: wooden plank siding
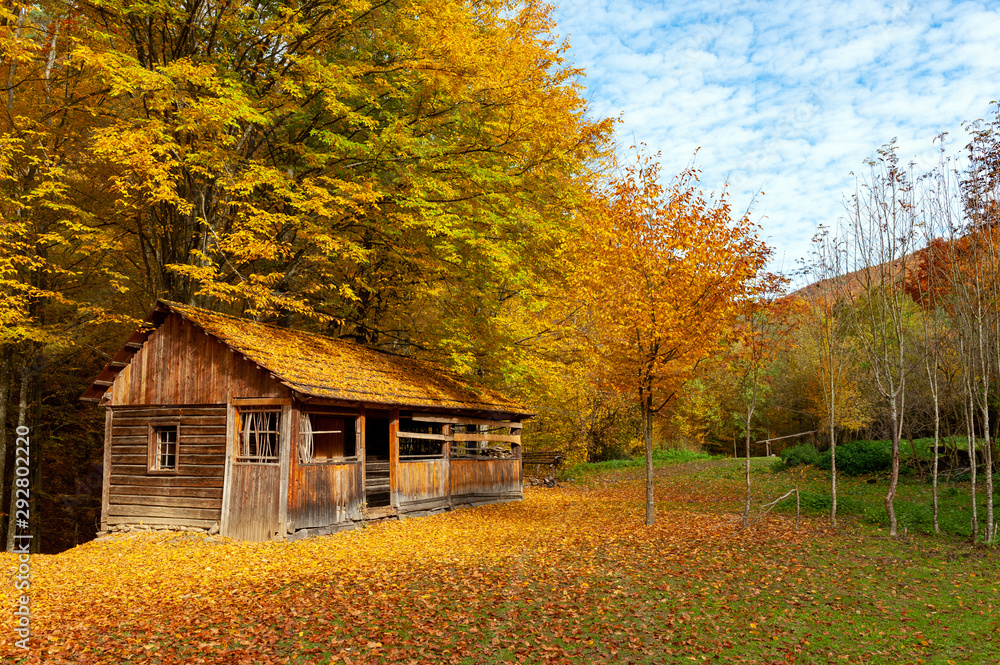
x=255 y=516
x=190 y=497
x=180 y=364
x=421 y=483
x=474 y=480
x=321 y=495
x=394 y=458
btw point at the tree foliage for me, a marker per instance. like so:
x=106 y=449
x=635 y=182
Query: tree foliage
x=669 y=266
x=404 y=174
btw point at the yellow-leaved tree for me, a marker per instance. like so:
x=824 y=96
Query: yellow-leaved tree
x=668 y=266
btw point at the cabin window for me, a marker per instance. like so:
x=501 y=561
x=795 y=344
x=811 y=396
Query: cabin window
x=326 y=437
x=260 y=435
x=420 y=440
x=163 y=448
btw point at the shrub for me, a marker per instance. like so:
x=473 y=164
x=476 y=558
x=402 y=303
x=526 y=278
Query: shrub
x=798 y=455
x=677 y=455
x=859 y=458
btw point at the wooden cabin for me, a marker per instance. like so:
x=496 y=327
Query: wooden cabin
x=263 y=433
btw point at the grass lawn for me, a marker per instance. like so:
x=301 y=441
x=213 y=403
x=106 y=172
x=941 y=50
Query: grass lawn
x=570 y=575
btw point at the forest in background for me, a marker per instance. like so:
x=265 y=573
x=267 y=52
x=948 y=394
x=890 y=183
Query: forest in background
x=425 y=178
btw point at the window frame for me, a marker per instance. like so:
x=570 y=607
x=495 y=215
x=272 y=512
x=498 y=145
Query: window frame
x=153 y=448
x=429 y=435
x=348 y=418
x=258 y=460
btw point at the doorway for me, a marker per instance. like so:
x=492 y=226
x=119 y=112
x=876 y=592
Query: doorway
x=377 y=460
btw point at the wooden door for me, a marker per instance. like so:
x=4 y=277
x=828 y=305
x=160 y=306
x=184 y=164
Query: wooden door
x=257 y=473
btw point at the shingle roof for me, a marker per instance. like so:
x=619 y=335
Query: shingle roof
x=320 y=366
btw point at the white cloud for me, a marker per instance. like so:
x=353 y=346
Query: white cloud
x=786 y=96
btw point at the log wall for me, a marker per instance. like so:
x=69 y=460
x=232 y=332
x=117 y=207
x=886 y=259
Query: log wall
x=180 y=364
x=190 y=497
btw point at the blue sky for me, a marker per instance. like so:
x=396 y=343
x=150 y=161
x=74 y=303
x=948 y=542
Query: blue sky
x=787 y=97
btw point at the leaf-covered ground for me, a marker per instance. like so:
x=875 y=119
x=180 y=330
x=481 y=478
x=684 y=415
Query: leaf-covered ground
x=568 y=575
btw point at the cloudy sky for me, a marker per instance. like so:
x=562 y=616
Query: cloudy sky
x=787 y=97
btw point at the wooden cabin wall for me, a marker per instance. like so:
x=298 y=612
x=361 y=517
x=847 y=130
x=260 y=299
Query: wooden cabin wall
x=324 y=494
x=256 y=494
x=475 y=480
x=257 y=517
x=192 y=496
x=321 y=495
x=181 y=364
x=421 y=484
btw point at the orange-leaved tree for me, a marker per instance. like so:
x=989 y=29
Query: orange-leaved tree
x=667 y=268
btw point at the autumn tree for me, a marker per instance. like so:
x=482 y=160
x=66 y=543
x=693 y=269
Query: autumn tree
x=929 y=286
x=50 y=251
x=667 y=267
x=401 y=174
x=881 y=237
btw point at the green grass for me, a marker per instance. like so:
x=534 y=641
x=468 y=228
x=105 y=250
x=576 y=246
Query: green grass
x=661 y=456
x=850 y=594
x=925 y=445
x=864 y=497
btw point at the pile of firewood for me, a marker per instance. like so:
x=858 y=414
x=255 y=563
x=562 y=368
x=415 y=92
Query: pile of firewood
x=495 y=451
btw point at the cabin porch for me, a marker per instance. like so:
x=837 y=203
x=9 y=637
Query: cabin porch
x=347 y=467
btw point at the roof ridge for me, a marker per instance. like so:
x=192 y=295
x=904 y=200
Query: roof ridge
x=298 y=331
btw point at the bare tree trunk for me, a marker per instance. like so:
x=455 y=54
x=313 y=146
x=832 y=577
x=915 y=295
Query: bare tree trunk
x=970 y=420
x=833 y=472
x=988 y=461
x=894 y=478
x=4 y=396
x=937 y=438
x=830 y=344
x=746 y=507
x=647 y=434
x=22 y=417
x=882 y=240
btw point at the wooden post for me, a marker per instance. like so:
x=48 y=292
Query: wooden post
x=446 y=445
x=106 y=488
x=518 y=455
x=232 y=436
x=285 y=446
x=393 y=456
x=359 y=443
